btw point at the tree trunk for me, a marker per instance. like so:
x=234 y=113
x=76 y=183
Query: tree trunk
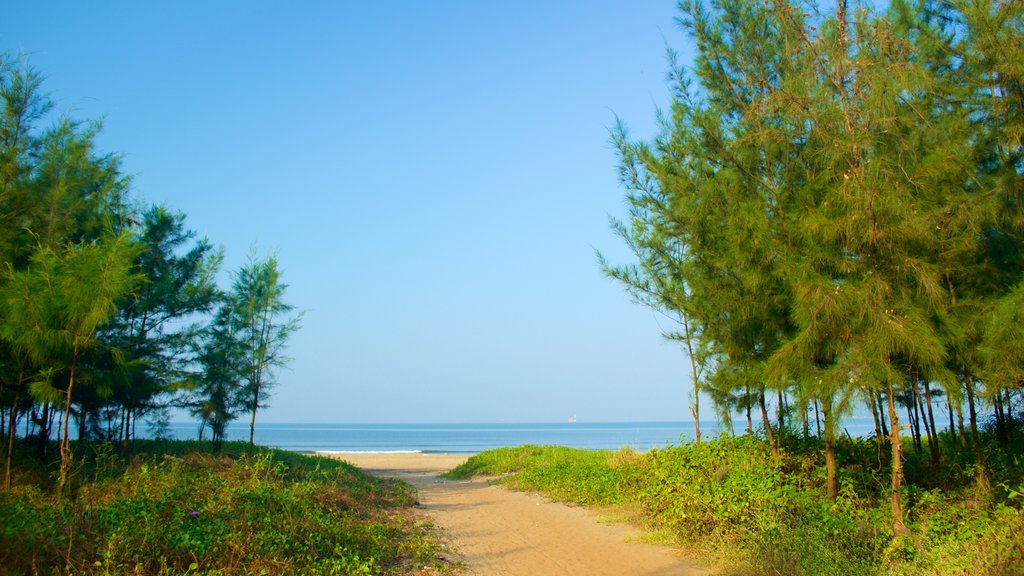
x=134 y=420
x=750 y=421
x=952 y=427
x=895 y=503
x=914 y=437
x=45 y=423
x=695 y=375
x=10 y=441
x=817 y=419
x=830 y=450
x=933 y=433
x=767 y=425
x=885 y=429
x=879 y=437
x=782 y=416
x=126 y=420
x=252 y=422
x=984 y=489
x=65 y=443
x=120 y=428
x=997 y=409
x=960 y=425
x=83 y=422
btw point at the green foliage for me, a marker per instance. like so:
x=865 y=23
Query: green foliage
x=176 y=509
x=834 y=203
x=580 y=476
x=111 y=293
x=731 y=499
x=262 y=324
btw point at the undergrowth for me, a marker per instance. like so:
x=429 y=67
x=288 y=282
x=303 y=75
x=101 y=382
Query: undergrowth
x=173 y=509
x=730 y=501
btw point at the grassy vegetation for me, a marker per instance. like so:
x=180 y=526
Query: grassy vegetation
x=731 y=501
x=177 y=509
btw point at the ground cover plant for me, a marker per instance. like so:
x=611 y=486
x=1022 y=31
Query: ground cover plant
x=733 y=502
x=175 y=508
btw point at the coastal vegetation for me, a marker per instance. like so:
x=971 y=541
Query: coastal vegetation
x=181 y=508
x=110 y=313
x=833 y=212
x=109 y=308
x=734 y=503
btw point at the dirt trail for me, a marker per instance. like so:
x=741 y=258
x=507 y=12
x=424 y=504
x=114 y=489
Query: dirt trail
x=498 y=532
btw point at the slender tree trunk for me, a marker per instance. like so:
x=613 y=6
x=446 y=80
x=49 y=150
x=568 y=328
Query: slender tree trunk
x=984 y=489
x=45 y=424
x=695 y=375
x=120 y=428
x=960 y=425
x=767 y=425
x=10 y=441
x=830 y=449
x=750 y=421
x=913 y=424
x=997 y=409
x=134 y=420
x=83 y=422
x=782 y=416
x=933 y=434
x=922 y=421
x=65 y=442
x=817 y=419
x=879 y=437
x=885 y=426
x=126 y=422
x=252 y=422
x=895 y=503
x=952 y=427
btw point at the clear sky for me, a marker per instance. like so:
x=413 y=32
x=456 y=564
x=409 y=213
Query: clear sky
x=433 y=176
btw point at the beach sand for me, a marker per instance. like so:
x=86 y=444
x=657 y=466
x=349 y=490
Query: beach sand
x=498 y=532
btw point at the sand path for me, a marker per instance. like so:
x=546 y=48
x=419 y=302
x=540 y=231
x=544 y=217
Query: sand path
x=498 y=532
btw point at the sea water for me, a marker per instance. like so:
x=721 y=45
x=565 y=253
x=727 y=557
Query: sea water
x=471 y=438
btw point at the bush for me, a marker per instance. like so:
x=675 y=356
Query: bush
x=731 y=500
x=249 y=512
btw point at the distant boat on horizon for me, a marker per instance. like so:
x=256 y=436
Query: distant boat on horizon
x=572 y=419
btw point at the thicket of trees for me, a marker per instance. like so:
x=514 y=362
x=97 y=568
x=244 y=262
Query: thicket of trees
x=109 y=309
x=834 y=212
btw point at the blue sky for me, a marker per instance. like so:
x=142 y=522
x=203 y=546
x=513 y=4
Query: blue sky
x=433 y=176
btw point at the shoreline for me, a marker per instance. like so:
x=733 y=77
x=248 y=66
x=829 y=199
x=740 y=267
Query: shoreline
x=407 y=461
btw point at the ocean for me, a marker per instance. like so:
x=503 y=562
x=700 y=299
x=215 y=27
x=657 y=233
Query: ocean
x=470 y=438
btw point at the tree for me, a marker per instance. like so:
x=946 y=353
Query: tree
x=833 y=184
x=263 y=326
x=54 y=308
x=216 y=392
x=657 y=280
x=156 y=325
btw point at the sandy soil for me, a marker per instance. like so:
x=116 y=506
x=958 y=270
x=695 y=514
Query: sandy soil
x=498 y=532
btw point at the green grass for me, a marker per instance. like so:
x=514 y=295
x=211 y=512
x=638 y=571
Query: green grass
x=579 y=476
x=729 y=501
x=175 y=509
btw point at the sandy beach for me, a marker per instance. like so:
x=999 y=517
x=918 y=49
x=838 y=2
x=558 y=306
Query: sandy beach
x=499 y=532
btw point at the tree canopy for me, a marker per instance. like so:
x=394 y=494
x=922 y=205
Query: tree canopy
x=834 y=201
x=109 y=309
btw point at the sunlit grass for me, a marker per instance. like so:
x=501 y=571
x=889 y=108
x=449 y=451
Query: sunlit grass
x=173 y=509
x=728 y=501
